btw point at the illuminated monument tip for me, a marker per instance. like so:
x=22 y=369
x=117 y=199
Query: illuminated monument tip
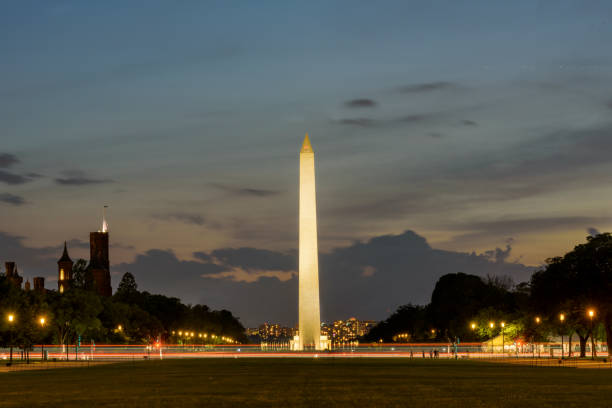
x=306 y=146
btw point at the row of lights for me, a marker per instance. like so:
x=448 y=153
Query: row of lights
x=590 y=313
x=11 y=319
x=188 y=334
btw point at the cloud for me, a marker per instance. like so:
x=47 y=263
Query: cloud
x=7 y=160
x=31 y=261
x=365 y=279
x=245 y=191
x=361 y=122
x=238 y=274
x=593 y=231
x=498 y=255
x=11 y=199
x=368 y=271
x=187 y=218
x=360 y=103
x=427 y=87
x=468 y=122
x=77 y=243
x=79 y=179
x=11 y=178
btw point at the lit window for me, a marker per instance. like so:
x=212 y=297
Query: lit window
x=62 y=274
x=61 y=288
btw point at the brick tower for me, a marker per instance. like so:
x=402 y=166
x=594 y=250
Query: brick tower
x=99 y=264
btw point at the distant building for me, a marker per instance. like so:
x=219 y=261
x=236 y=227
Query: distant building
x=269 y=331
x=351 y=329
x=64 y=271
x=12 y=274
x=339 y=331
x=39 y=284
x=99 y=264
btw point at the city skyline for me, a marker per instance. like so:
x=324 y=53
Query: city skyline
x=474 y=138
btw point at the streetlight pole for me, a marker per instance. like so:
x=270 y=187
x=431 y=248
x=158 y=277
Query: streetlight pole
x=591 y=315
x=562 y=319
x=503 y=340
x=42 y=345
x=11 y=319
x=492 y=325
x=537 y=320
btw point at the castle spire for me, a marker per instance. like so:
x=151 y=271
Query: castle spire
x=306 y=146
x=65 y=257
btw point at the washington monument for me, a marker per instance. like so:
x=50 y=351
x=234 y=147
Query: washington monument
x=310 y=316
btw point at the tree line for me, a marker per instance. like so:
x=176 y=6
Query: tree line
x=570 y=296
x=129 y=316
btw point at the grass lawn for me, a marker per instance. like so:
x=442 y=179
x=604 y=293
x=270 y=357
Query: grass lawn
x=278 y=382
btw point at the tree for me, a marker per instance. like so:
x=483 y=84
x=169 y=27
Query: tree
x=81 y=275
x=575 y=283
x=128 y=289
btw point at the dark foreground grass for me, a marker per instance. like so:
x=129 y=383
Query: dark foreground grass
x=308 y=383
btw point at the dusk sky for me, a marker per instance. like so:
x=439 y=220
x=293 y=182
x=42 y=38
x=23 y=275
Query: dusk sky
x=449 y=136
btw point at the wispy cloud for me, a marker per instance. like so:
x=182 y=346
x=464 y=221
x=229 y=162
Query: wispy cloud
x=427 y=87
x=78 y=178
x=11 y=199
x=186 y=218
x=245 y=191
x=360 y=103
x=7 y=160
x=12 y=178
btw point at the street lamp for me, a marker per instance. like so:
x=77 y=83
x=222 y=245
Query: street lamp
x=562 y=319
x=42 y=321
x=502 y=330
x=538 y=321
x=11 y=319
x=591 y=314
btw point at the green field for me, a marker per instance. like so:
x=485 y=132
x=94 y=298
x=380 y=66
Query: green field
x=308 y=383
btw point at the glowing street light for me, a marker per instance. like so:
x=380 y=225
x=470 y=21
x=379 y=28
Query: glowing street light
x=491 y=325
x=562 y=319
x=591 y=314
x=473 y=325
x=538 y=320
x=42 y=321
x=11 y=319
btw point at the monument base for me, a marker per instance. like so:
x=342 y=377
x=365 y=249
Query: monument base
x=294 y=344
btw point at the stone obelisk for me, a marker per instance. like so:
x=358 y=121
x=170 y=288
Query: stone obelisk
x=309 y=313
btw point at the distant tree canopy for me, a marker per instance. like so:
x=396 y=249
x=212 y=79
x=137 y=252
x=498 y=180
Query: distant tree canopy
x=572 y=285
x=456 y=301
x=129 y=316
x=569 y=287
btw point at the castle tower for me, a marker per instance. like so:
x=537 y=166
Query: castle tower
x=39 y=284
x=98 y=260
x=64 y=271
x=12 y=274
x=309 y=308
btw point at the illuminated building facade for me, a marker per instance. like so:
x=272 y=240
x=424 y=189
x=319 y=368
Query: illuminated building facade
x=64 y=271
x=269 y=331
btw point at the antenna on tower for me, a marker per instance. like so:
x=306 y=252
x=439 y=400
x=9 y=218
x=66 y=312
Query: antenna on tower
x=104 y=223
